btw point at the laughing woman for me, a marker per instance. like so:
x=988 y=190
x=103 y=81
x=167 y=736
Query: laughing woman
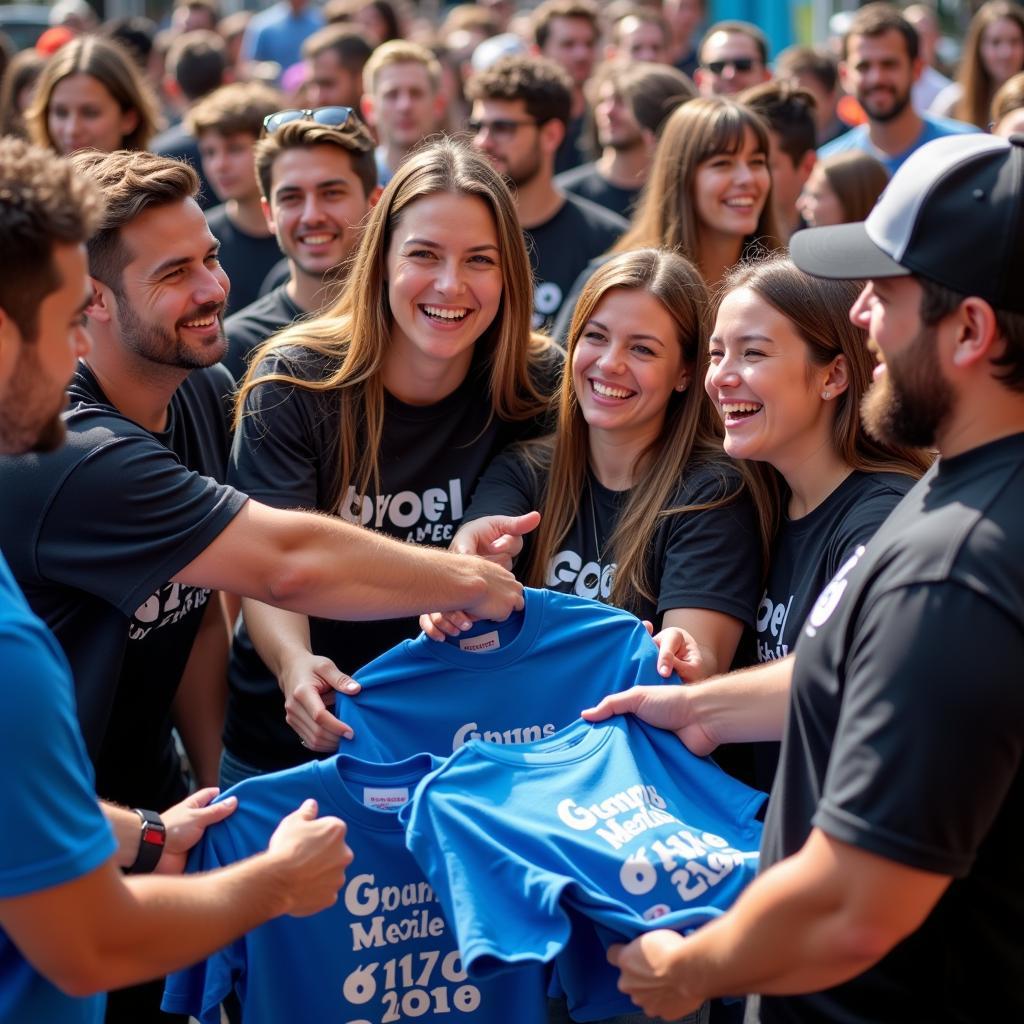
x=639 y=506
x=384 y=411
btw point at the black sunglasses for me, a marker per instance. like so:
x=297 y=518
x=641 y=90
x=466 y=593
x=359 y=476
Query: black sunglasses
x=329 y=117
x=716 y=67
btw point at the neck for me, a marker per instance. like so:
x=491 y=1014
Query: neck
x=626 y=168
x=140 y=389
x=247 y=215
x=1000 y=415
x=312 y=293
x=538 y=200
x=394 y=154
x=416 y=380
x=812 y=472
x=898 y=135
x=579 y=103
x=614 y=458
x=718 y=255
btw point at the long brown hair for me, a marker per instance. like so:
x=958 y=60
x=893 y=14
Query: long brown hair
x=355 y=333
x=111 y=65
x=857 y=179
x=817 y=309
x=691 y=431
x=666 y=214
x=978 y=87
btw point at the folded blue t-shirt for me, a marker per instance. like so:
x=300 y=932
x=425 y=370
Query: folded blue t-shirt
x=554 y=849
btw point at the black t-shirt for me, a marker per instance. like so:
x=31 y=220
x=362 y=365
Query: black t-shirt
x=572 y=151
x=278 y=275
x=702 y=559
x=562 y=246
x=586 y=182
x=94 y=532
x=286 y=454
x=250 y=327
x=246 y=259
x=906 y=738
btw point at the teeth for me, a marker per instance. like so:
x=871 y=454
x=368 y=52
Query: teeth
x=316 y=239
x=608 y=392
x=445 y=314
x=201 y=323
x=729 y=408
x=746 y=203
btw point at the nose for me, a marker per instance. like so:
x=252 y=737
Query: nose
x=212 y=285
x=449 y=277
x=311 y=212
x=860 y=311
x=722 y=374
x=610 y=361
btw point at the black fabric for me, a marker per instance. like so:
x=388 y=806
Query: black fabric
x=561 y=247
x=278 y=275
x=286 y=454
x=246 y=259
x=573 y=149
x=178 y=142
x=707 y=559
x=587 y=183
x=560 y=329
x=93 y=533
x=250 y=327
x=906 y=738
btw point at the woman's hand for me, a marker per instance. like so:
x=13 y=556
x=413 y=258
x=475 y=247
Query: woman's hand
x=309 y=683
x=679 y=652
x=185 y=824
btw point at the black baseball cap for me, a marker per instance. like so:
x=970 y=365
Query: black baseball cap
x=953 y=213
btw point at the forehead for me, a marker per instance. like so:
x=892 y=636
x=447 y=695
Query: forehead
x=305 y=166
x=631 y=27
x=730 y=44
x=511 y=110
x=82 y=87
x=885 y=45
x=170 y=231
x=405 y=75
x=563 y=30
x=212 y=137
x=327 y=60
x=1002 y=28
x=448 y=218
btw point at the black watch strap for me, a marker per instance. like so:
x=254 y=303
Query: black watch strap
x=151 y=842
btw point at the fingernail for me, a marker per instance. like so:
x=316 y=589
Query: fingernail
x=348 y=735
x=351 y=686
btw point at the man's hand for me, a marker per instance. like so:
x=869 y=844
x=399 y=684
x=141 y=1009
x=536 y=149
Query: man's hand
x=652 y=976
x=316 y=855
x=309 y=682
x=503 y=593
x=186 y=822
x=665 y=707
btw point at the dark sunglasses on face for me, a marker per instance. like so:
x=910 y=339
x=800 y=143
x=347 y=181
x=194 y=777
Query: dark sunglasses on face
x=716 y=67
x=329 y=117
x=500 y=128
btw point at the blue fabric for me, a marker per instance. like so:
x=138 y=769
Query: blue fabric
x=382 y=952
x=53 y=829
x=561 y=654
x=555 y=849
x=934 y=127
x=278 y=33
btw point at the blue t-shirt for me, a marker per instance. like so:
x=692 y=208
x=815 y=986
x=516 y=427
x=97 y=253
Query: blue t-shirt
x=555 y=849
x=507 y=682
x=53 y=829
x=382 y=953
x=934 y=127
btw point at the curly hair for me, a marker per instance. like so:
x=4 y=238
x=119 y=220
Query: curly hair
x=543 y=86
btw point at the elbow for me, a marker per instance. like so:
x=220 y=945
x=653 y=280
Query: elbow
x=290 y=584
x=864 y=943
x=81 y=978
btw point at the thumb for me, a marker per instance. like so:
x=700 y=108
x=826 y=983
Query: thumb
x=519 y=525
x=308 y=810
x=338 y=680
x=217 y=812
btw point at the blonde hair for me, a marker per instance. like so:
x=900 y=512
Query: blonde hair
x=401 y=51
x=356 y=332
x=666 y=215
x=690 y=434
x=111 y=66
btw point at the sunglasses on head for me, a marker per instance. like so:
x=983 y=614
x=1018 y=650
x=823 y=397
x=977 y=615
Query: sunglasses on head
x=329 y=117
x=716 y=67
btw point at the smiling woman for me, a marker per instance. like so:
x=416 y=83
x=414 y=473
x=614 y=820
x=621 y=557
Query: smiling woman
x=384 y=411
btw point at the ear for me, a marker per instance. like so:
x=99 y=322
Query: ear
x=551 y=135
x=268 y=214
x=366 y=109
x=844 y=76
x=103 y=305
x=916 y=68
x=129 y=122
x=702 y=80
x=976 y=333
x=806 y=165
x=374 y=196
x=837 y=379
x=440 y=104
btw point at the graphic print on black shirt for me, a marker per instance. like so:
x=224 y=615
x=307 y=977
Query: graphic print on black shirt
x=286 y=455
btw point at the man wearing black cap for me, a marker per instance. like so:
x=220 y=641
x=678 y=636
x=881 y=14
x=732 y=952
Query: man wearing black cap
x=891 y=885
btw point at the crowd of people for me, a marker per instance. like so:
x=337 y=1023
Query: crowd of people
x=316 y=320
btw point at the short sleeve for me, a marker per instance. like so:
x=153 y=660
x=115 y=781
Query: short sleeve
x=276 y=449
x=54 y=831
x=127 y=518
x=507 y=488
x=931 y=733
x=861 y=523
x=199 y=990
x=712 y=556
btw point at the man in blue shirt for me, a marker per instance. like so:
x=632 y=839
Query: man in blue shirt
x=70 y=925
x=880 y=65
x=278 y=33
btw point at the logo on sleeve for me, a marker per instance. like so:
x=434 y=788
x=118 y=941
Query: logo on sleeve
x=829 y=599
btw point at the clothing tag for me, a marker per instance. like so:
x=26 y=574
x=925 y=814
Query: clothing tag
x=484 y=642
x=385 y=799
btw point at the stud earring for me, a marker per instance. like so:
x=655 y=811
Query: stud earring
x=826 y=395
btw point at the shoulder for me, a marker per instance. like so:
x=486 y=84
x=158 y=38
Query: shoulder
x=855 y=138
x=546 y=364
x=217 y=218
x=939 y=126
x=708 y=480
x=572 y=177
x=266 y=315
x=595 y=218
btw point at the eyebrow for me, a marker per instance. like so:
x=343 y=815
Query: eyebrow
x=717 y=338
x=181 y=261
x=635 y=336
x=437 y=245
x=329 y=183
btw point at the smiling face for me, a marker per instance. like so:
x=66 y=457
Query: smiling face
x=880 y=74
x=1001 y=49
x=626 y=364
x=818 y=204
x=84 y=115
x=730 y=189
x=763 y=384
x=444 y=288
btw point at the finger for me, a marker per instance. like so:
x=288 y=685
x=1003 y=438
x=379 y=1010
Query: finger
x=615 y=954
x=308 y=810
x=649 y=626
x=217 y=812
x=429 y=628
x=516 y=526
x=338 y=680
x=333 y=726
x=203 y=797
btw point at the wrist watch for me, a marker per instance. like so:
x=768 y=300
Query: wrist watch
x=151 y=842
